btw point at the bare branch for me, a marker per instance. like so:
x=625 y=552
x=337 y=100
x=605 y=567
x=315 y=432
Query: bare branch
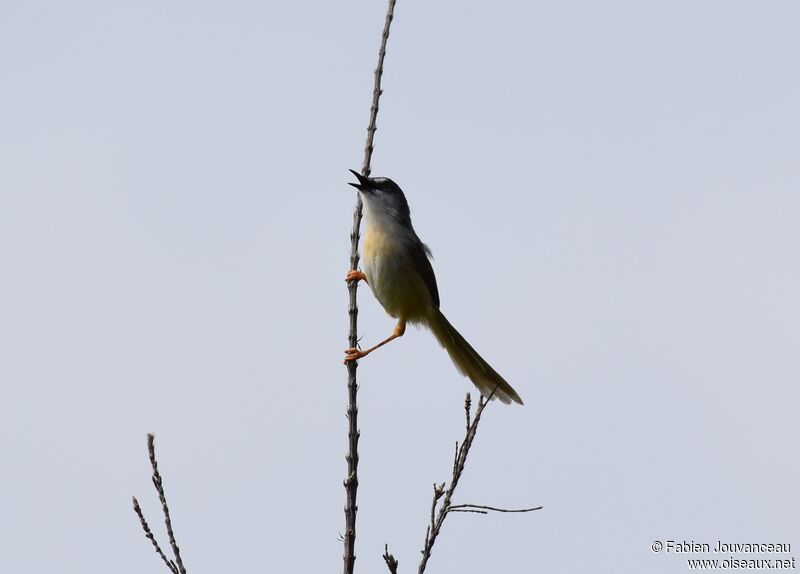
x=351 y=481
x=149 y=534
x=467 y=408
x=159 y=484
x=176 y=565
x=437 y=518
x=391 y=562
x=376 y=92
x=481 y=509
x=440 y=510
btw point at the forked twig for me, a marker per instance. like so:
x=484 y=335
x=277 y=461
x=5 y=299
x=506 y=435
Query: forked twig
x=353 y=433
x=176 y=565
x=391 y=561
x=441 y=504
x=439 y=491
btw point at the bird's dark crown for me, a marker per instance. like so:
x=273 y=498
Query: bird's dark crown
x=386 y=193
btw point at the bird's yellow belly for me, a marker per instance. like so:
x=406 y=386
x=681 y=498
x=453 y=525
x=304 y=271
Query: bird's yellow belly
x=393 y=280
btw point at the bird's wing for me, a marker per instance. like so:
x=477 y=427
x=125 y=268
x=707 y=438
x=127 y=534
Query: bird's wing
x=420 y=255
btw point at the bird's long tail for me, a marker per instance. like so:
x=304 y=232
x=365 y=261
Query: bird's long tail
x=469 y=363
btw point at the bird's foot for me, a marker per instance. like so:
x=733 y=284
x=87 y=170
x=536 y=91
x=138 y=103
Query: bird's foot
x=355 y=275
x=354 y=355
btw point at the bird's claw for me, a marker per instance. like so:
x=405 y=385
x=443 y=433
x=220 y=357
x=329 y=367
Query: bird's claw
x=355 y=275
x=353 y=355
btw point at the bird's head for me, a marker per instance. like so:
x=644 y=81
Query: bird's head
x=382 y=196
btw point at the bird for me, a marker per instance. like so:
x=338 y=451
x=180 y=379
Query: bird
x=397 y=267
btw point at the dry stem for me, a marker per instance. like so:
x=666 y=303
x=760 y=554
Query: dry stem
x=149 y=534
x=351 y=481
x=176 y=565
x=459 y=461
x=391 y=562
x=445 y=495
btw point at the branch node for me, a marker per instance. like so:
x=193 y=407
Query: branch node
x=391 y=561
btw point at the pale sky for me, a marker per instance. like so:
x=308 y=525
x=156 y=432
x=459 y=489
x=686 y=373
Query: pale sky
x=612 y=194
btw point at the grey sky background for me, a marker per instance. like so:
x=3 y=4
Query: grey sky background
x=611 y=194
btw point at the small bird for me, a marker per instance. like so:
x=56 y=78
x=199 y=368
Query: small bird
x=397 y=268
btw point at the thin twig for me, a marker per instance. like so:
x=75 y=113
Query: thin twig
x=376 y=92
x=351 y=481
x=482 y=509
x=176 y=565
x=467 y=409
x=441 y=504
x=149 y=534
x=159 y=484
x=460 y=460
x=458 y=469
x=391 y=561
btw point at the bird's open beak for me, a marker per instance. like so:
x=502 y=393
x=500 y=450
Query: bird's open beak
x=363 y=182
